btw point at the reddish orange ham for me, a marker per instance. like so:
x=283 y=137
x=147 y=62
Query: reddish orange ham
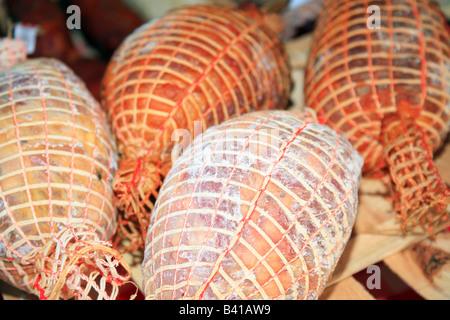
x=202 y=64
x=386 y=88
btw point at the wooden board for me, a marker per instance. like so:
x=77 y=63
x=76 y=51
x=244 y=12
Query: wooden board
x=347 y=289
x=425 y=267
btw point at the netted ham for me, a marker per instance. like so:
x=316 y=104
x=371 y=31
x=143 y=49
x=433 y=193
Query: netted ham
x=258 y=207
x=57 y=162
x=196 y=65
x=379 y=74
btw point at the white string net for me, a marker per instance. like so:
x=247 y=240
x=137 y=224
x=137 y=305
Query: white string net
x=259 y=207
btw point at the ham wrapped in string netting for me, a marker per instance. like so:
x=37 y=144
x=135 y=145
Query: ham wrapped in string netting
x=379 y=74
x=193 y=68
x=258 y=207
x=57 y=162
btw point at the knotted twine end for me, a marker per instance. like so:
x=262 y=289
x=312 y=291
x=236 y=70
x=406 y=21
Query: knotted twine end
x=420 y=195
x=136 y=187
x=76 y=263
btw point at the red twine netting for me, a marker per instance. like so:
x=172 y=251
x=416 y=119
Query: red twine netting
x=196 y=66
x=258 y=207
x=57 y=162
x=379 y=75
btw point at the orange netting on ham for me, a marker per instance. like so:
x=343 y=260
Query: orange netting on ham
x=258 y=207
x=196 y=65
x=57 y=162
x=380 y=76
x=12 y=51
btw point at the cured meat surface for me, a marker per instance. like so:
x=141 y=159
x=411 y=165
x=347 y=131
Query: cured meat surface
x=259 y=207
x=196 y=65
x=380 y=66
x=57 y=162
